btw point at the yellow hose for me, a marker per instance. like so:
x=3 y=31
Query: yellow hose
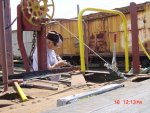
x=20 y=91
x=143 y=48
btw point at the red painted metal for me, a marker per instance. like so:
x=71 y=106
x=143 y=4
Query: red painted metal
x=20 y=39
x=3 y=46
x=8 y=37
x=41 y=49
x=24 y=25
x=135 y=44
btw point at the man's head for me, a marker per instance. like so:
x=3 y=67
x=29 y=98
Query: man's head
x=54 y=39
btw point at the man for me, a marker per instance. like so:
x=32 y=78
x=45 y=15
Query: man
x=53 y=40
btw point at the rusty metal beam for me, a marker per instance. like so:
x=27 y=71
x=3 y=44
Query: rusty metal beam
x=8 y=35
x=3 y=46
x=86 y=42
x=41 y=49
x=20 y=39
x=135 y=44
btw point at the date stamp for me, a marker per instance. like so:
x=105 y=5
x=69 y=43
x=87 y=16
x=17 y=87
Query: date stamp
x=127 y=102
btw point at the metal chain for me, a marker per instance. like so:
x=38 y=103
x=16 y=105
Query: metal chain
x=33 y=45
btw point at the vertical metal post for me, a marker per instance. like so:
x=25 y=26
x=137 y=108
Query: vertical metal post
x=3 y=46
x=42 y=49
x=135 y=44
x=78 y=9
x=86 y=42
x=8 y=35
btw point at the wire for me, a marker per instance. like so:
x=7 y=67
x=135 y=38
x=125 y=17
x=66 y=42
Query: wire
x=83 y=43
x=107 y=65
x=11 y=23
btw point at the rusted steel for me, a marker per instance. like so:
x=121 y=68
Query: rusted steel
x=41 y=49
x=101 y=45
x=125 y=10
x=11 y=82
x=8 y=36
x=3 y=46
x=86 y=42
x=92 y=43
x=135 y=44
x=20 y=39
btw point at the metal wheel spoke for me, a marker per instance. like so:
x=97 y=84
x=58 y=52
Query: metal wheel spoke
x=29 y=7
x=37 y=14
x=30 y=19
x=49 y=5
x=37 y=9
x=41 y=11
x=48 y=15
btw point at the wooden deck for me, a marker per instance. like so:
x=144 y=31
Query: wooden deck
x=133 y=98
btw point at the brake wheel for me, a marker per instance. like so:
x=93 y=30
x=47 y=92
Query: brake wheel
x=38 y=12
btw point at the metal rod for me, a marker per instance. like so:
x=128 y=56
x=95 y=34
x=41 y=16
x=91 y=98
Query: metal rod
x=3 y=46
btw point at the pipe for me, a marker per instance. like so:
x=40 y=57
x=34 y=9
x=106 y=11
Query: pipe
x=80 y=30
x=20 y=91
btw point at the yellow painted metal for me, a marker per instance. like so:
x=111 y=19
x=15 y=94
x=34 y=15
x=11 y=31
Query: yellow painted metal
x=143 y=48
x=38 y=10
x=81 y=42
x=20 y=91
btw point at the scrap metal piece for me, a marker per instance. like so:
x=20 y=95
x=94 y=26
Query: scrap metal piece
x=73 y=98
x=41 y=74
x=115 y=71
x=29 y=85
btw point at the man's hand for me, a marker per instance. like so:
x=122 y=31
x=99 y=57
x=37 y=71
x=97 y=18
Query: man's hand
x=61 y=63
x=58 y=64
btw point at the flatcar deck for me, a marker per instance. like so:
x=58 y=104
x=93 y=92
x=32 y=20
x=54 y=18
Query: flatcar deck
x=133 y=98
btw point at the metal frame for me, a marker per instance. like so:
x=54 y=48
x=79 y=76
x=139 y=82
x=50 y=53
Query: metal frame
x=80 y=29
x=24 y=25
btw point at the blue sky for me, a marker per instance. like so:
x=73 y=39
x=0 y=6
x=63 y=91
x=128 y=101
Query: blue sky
x=68 y=8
